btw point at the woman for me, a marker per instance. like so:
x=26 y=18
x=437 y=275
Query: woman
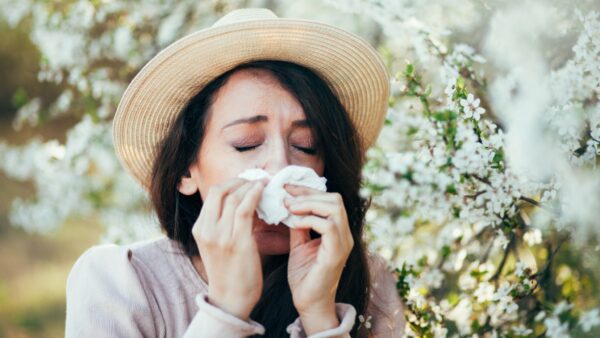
x=252 y=91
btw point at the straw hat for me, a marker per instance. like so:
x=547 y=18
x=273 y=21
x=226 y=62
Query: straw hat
x=158 y=93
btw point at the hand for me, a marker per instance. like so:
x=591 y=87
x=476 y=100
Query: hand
x=315 y=266
x=223 y=233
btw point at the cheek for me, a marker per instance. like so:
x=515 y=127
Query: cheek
x=319 y=167
x=316 y=163
x=217 y=167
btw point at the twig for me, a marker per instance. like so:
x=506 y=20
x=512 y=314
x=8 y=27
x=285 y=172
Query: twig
x=504 y=257
x=536 y=204
x=486 y=254
x=474 y=196
x=531 y=201
x=549 y=261
x=481 y=179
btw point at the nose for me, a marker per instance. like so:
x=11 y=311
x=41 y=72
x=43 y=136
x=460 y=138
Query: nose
x=276 y=158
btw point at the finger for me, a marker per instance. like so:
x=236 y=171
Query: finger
x=206 y=223
x=321 y=198
x=330 y=202
x=298 y=237
x=231 y=204
x=215 y=196
x=244 y=213
x=331 y=207
x=306 y=206
x=321 y=225
x=295 y=189
x=330 y=236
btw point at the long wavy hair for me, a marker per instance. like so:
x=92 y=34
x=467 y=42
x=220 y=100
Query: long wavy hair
x=339 y=146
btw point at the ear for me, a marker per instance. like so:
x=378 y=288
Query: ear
x=187 y=185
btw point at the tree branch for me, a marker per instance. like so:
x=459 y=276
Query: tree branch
x=507 y=250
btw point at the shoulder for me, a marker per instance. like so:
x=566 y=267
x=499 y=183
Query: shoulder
x=99 y=261
x=383 y=279
x=106 y=292
x=385 y=306
x=113 y=260
x=103 y=268
x=96 y=256
x=377 y=263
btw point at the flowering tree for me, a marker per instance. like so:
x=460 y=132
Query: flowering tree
x=485 y=179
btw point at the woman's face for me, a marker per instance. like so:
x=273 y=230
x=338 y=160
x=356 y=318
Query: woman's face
x=253 y=123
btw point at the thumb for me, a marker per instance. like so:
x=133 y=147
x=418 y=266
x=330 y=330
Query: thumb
x=298 y=237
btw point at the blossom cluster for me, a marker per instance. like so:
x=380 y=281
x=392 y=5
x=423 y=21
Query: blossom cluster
x=484 y=163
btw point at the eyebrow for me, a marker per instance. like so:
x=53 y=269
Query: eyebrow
x=262 y=118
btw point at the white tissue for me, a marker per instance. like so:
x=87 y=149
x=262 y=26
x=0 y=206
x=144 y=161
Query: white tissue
x=271 y=208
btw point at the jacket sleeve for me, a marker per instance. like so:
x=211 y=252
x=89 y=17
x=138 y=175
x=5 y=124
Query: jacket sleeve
x=346 y=315
x=106 y=298
x=211 y=321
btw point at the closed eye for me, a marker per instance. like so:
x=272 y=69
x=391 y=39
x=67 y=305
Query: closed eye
x=310 y=151
x=242 y=149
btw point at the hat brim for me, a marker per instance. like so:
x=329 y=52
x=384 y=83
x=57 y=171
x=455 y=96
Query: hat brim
x=158 y=93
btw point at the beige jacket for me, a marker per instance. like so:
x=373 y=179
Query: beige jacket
x=151 y=289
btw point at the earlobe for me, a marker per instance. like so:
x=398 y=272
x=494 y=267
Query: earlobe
x=187 y=186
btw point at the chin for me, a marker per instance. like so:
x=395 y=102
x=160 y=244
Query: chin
x=272 y=244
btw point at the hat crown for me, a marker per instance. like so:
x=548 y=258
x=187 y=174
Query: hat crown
x=245 y=14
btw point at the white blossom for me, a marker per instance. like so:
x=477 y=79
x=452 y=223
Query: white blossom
x=589 y=319
x=471 y=107
x=533 y=237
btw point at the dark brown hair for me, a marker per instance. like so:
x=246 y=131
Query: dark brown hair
x=337 y=142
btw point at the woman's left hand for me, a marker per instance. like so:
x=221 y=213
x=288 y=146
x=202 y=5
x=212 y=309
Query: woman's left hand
x=315 y=265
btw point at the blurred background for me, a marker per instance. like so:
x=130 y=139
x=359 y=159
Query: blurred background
x=485 y=178
x=33 y=267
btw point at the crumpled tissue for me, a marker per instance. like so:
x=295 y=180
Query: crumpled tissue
x=271 y=207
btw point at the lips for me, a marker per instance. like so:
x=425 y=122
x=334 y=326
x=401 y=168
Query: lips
x=262 y=227
x=274 y=228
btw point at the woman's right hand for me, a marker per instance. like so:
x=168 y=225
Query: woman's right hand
x=223 y=233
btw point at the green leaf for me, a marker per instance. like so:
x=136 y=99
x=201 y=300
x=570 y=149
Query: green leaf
x=427 y=91
x=453 y=298
x=19 y=98
x=412 y=130
x=498 y=157
x=477 y=273
x=444 y=115
x=456 y=212
x=439 y=116
x=446 y=251
x=409 y=70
